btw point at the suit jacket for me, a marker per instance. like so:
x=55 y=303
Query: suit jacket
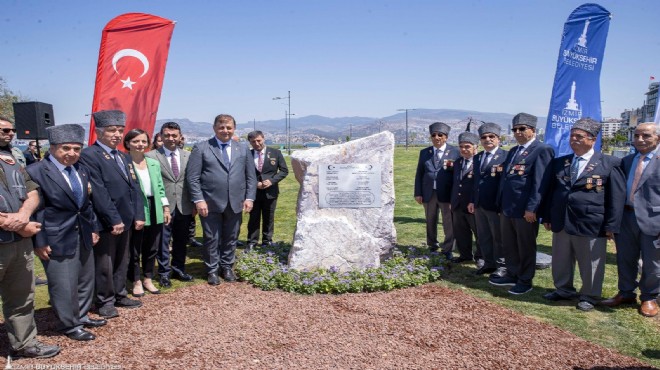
x=118 y=198
x=463 y=185
x=158 y=191
x=176 y=188
x=647 y=194
x=487 y=181
x=61 y=218
x=211 y=181
x=427 y=173
x=274 y=169
x=593 y=204
x=29 y=157
x=524 y=182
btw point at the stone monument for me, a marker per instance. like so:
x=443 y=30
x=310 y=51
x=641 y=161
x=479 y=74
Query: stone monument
x=345 y=211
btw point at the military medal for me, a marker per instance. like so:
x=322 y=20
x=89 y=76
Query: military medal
x=493 y=171
x=590 y=182
x=130 y=169
x=89 y=188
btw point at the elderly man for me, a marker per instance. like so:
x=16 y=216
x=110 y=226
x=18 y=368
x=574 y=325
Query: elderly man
x=433 y=181
x=640 y=227
x=522 y=187
x=173 y=163
x=223 y=182
x=461 y=196
x=70 y=229
x=583 y=208
x=19 y=198
x=488 y=164
x=118 y=204
x=271 y=169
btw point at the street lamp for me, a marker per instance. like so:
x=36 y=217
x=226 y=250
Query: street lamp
x=406 y=110
x=287 y=117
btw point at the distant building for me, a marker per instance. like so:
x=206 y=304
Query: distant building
x=611 y=126
x=645 y=113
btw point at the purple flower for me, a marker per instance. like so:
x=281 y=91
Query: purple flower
x=334 y=269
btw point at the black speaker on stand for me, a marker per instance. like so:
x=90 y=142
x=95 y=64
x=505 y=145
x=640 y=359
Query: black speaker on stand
x=31 y=119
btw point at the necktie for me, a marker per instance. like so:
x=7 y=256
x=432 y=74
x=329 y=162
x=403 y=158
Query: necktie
x=225 y=156
x=76 y=187
x=574 y=169
x=260 y=161
x=175 y=166
x=484 y=161
x=466 y=168
x=638 y=174
x=436 y=157
x=120 y=163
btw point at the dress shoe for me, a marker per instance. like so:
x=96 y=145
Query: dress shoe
x=554 y=296
x=128 y=303
x=81 y=334
x=165 y=282
x=503 y=281
x=195 y=243
x=519 y=289
x=584 y=306
x=460 y=259
x=40 y=281
x=268 y=244
x=108 y=312
x=618 y=300
x=138 y=291
x=182 y=276
x=228 y=275
x=152 y=291
x=36 y=349
x=93 y=323
x=500 y=272
x=434 y=248
x=484 y=270
x=213 y=279
x=649 y=308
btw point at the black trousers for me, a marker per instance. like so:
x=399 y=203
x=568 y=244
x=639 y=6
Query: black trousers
x=178 y=232
x=263 y=208
x=111 y=265
x=144 y=246
x=519 y=242
x=464 y=227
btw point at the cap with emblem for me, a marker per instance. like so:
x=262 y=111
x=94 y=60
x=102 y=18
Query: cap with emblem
x=490 y=128
x=69 y=133
x=439 y=127
x=524 y=119
x=589 y=125
x=107 y=118
x=468 y=137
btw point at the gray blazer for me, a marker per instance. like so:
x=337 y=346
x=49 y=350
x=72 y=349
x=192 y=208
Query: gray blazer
x=647 y=194
x=176 y=189
x=211 y=181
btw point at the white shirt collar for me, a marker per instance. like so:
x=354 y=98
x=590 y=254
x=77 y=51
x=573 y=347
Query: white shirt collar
x=105 y=147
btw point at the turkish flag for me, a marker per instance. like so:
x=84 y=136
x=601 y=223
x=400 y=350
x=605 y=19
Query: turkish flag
x=131 y=67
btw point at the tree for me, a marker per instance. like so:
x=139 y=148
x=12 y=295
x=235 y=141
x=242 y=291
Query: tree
x=7 y=97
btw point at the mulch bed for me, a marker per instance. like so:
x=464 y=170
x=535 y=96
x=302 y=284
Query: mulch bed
x=235 y=326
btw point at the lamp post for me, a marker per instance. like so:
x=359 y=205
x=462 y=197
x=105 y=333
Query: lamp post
x=406 y=110
x=287 y=116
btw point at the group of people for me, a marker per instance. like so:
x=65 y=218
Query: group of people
x=499 y=198
x=99 y=217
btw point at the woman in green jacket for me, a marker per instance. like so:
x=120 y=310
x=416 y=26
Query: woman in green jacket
x=145 y=242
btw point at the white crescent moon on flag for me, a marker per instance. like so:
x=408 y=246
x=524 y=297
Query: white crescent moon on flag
x=131 y=53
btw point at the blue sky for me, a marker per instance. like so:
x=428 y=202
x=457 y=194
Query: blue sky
x=338 y=58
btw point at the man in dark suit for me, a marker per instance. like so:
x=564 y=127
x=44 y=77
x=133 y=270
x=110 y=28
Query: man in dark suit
x=487 y=174
x=69 y=230
x=433 y=181
x=640 y=227
x=521 y=190
x=31 y=154
x=118 y=204
x=461 y=196
x=271 y=169
x=583 y=208
x=223 y=182
x=173 y=163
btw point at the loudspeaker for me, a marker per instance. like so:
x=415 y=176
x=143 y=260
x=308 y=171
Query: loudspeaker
x=32 y=118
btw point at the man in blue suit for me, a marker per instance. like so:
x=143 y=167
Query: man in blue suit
x=522 y=187
x=223 y=182
x=640 y=227
x=583 y=209
x=487 y=175
x=69 y=230
x=433 y=181
x=118 y=204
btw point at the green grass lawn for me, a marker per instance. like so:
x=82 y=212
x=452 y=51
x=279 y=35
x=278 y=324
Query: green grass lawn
x=622 y=329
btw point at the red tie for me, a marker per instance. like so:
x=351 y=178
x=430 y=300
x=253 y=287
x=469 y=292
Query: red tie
x=260 y=162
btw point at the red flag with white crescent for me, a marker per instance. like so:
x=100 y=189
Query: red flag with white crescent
x=131 y=68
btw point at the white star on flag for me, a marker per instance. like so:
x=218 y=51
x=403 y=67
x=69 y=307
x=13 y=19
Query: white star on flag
x=127 y=83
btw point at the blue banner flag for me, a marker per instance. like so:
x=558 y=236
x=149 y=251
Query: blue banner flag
x=576 y=90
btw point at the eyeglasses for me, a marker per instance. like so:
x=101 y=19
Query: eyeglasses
x=435 y=134
x=488 y=137
x=519 y=129
x=8 y=130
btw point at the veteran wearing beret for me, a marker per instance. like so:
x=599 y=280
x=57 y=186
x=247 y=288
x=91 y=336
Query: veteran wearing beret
x=70 y=230
x=522 y=187
x=119 y=207
x=433 y=181
x=487 y=174
x=583 y=209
